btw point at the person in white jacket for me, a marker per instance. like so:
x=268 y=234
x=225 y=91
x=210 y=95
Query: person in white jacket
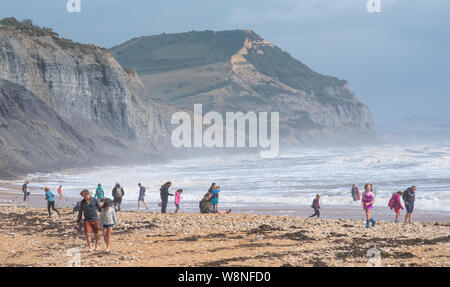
x=107 y=221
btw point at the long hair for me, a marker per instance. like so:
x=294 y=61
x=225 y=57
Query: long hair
x=211 y=189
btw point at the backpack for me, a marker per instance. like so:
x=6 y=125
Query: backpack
x=392 y=201
x=119 y=192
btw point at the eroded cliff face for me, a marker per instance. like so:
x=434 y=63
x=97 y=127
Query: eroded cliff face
x=64 y=104
x=244 y=72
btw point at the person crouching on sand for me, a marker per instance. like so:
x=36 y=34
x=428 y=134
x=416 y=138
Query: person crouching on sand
x=89 y=207
x=396 y=204
x=107 y=221
x=316 y=206
x=50 y=202
x=178 y=199
x=368 y=199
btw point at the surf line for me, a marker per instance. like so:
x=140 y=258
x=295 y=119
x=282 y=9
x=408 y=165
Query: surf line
x=213 y=136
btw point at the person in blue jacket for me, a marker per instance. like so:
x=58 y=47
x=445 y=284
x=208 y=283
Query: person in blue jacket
x=50 y=202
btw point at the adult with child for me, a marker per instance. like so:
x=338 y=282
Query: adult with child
x=164 y=193
x=107 y=221
x=205 y=204
x=89 y=207
x=368 y=199
x=50 y=202
x=409 y=197
x=118 y=193
x=141 y=196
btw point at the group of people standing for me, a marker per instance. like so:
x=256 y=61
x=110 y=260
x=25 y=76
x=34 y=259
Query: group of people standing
x=368 y=200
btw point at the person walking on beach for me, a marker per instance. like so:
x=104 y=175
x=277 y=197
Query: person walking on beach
x=368 y=199
x=355 y=193
x=316 y=206
x=107 y=221
x=50 y=202
x=396 y=204
x=215 y=199
x=178 y=199
x=164 y=193
x=99 y=192
x=118 y=193
x=89 y=207
x=60 y=192
x=26 y=192
x=141 y=196
x=409 y=197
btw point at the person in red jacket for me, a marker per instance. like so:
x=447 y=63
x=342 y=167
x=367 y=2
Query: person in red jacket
x=396 y=204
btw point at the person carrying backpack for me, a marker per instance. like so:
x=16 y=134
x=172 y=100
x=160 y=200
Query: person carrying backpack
x=117 y=193
x=316 y=206
x=396 y=204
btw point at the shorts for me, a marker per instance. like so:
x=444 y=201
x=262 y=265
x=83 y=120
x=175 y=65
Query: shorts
x=108 y=226
x=215 y=201
x=177 y=205
x=397 y=210
x=409 y=207
x=91 y=226
x=141 y=198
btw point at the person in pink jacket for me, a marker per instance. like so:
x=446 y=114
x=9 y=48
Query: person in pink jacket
x=178 y=199
x=396 y=204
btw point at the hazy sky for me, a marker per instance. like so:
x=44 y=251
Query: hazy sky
x=396 y=61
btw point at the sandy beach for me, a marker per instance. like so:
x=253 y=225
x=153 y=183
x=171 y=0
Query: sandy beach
x=29 y=238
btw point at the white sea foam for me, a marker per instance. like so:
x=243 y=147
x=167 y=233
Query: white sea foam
x=290 y=180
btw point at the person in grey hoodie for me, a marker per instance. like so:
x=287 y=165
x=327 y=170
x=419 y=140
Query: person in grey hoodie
x=118 y=193
x=107 y=221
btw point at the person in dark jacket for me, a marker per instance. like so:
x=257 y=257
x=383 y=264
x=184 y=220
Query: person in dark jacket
x=164 y=193
x=89 y=207
x=118 y=193
x=409 y=197
x=26 y=193
x=316 y=206
x=355 y=193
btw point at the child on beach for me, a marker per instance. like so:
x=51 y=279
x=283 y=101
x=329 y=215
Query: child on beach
x=177 y=199
x=316 y=206
x=50 y=202
x=60 y=192
x=368 y=199
x=99 y=192
x=215 y=199
x=396 y=204
x=107 y=221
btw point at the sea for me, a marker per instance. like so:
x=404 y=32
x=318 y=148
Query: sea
x=286 y=182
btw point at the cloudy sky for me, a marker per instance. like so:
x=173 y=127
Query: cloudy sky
x=396 y=61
